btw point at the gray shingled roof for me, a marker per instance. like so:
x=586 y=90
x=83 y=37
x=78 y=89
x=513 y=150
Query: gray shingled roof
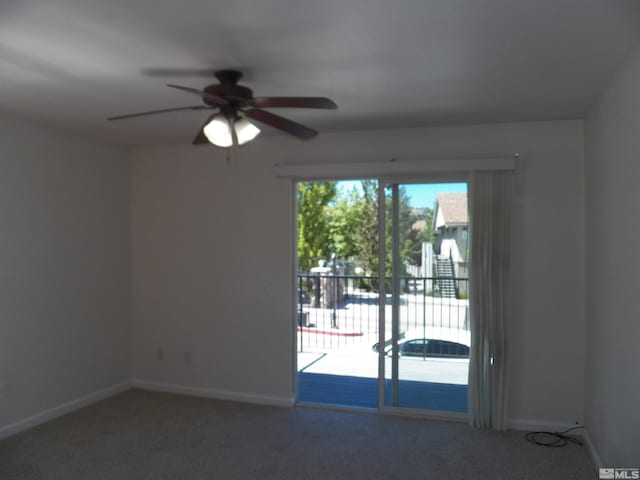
x=454 y=207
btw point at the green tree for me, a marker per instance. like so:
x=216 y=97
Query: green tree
x=354 y=227
x=314 y=222
x=421 y=231
x=347 y=223
x=342 y=226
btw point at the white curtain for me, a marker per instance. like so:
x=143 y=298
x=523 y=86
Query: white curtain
x=490 y=211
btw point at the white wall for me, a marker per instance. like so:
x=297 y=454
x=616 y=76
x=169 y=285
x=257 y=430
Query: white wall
x=64 y=268
x=612 y=133
x=211 y=271
x=212 y=258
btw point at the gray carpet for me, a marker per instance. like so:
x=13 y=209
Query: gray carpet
x=145 y=435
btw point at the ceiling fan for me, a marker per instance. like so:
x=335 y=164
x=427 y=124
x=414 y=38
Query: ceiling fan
x=227 y=126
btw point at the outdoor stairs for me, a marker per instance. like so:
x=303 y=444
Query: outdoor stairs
x=445 y=279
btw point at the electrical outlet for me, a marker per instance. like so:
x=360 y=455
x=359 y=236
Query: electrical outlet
x=188 y=357
x=160 y=353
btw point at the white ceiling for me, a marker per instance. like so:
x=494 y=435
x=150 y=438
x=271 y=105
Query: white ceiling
x=72 y=63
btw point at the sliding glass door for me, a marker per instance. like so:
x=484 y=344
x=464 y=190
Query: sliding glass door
x=337 y=290
x=381 y=287
x=425 y=340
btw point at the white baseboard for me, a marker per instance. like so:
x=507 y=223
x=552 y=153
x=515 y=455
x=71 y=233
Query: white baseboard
x=213 y=393
x=593 y=453
x=62 y=409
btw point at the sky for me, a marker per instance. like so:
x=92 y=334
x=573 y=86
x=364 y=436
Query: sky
x=421 y=194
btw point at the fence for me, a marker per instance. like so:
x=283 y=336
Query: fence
x=336 y=311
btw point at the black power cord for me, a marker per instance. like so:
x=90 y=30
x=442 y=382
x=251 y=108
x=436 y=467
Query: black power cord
x=553 y=439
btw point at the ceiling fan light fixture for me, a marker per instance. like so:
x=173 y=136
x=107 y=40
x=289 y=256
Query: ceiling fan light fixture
x=218 y=131
x=245 y=130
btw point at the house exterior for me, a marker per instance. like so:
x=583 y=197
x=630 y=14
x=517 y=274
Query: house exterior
x=451 y=248
x=451 y=226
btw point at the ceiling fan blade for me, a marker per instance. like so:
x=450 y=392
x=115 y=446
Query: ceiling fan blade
x=213 y=98
x=201 y=137
x=153 y=112
x=281 y=123
x=293 y=102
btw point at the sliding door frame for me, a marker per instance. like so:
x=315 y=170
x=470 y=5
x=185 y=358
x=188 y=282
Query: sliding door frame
x=382 y=409
x=394 y=182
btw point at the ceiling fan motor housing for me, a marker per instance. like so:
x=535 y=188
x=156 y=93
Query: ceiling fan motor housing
x=234 y=94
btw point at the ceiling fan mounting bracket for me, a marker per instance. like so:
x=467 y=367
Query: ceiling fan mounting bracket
x=228 y=76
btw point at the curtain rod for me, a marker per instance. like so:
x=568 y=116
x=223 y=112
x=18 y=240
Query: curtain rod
x=391 y=167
